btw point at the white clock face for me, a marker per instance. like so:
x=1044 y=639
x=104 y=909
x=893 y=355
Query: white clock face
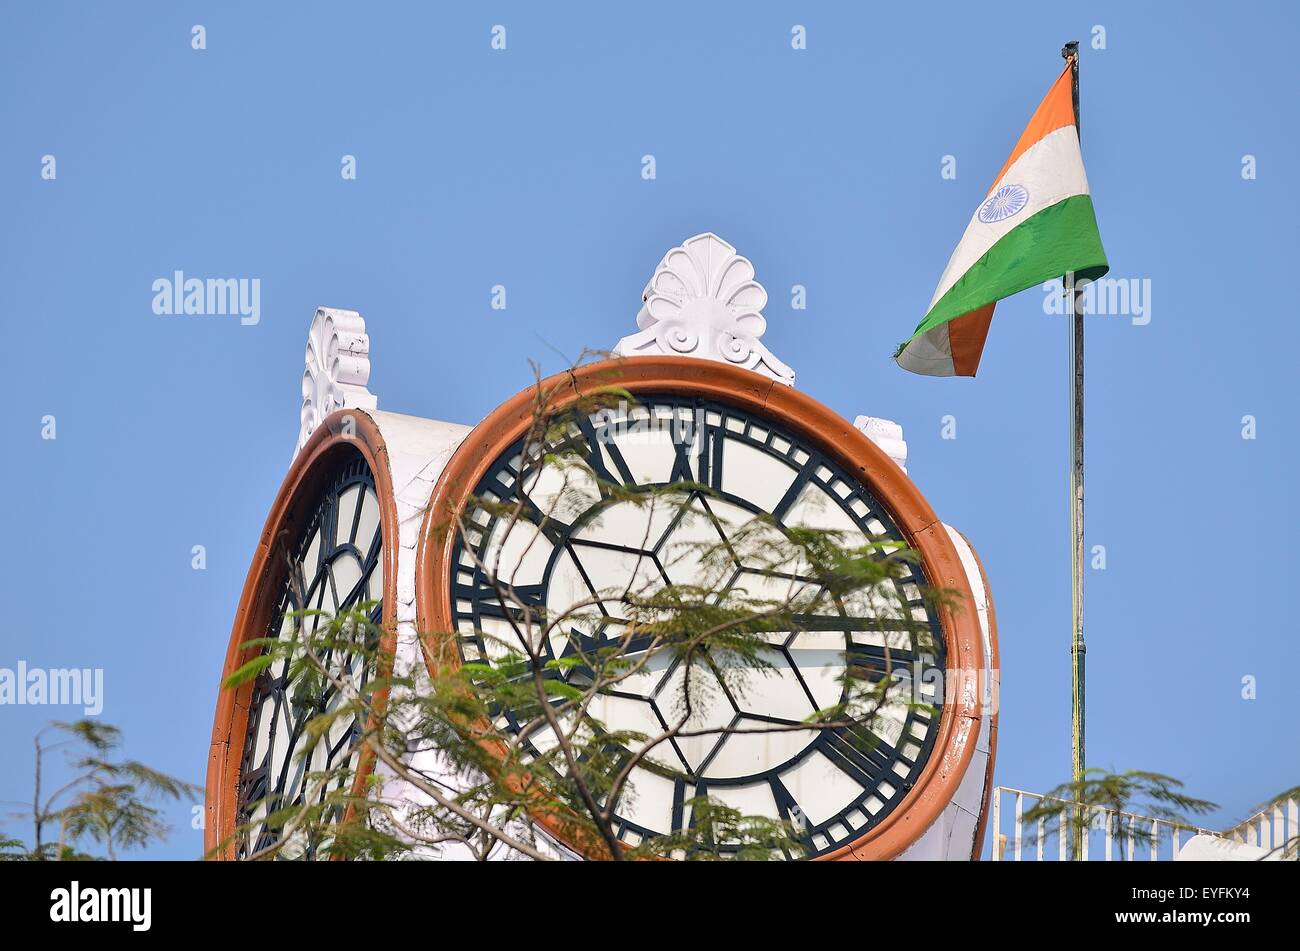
x=832 y=785
x=338 y=563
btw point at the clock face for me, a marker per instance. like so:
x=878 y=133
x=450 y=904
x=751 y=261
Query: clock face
x=831 y=785
x=337 y=564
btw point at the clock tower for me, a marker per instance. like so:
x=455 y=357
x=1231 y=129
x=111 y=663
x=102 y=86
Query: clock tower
x=369 y=512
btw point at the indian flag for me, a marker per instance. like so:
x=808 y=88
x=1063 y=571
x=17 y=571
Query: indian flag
x=1035 y=224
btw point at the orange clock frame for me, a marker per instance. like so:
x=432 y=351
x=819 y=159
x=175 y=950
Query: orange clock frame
x=340 y=434
x=822 y=427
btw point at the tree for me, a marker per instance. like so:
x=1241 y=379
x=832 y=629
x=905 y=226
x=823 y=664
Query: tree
x=1074 y=808
x=110 y=798
x=1125 y=802
x=458 y=732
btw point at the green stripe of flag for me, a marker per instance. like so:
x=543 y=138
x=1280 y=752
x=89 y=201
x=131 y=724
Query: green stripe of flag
x=1059 y=239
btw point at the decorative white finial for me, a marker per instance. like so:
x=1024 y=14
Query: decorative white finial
x=703 y=302
x=337 y=367
x=886 y=434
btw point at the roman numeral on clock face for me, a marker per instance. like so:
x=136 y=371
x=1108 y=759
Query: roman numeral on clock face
x=595 y=442
x=858 y=752
x=508 y=603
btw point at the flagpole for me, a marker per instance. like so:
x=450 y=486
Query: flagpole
x=1070 y=52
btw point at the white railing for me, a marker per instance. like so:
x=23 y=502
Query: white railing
x=1111 y=835
x=1271 y=828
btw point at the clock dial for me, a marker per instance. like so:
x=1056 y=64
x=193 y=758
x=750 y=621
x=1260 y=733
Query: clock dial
x=832 y=785
x=337 y=564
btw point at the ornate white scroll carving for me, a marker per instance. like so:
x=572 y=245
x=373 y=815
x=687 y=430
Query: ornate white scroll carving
x=703 y=302
x=886 y=434
x=337 y=368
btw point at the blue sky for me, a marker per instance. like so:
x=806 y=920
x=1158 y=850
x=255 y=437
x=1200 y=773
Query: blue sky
x=522 y=167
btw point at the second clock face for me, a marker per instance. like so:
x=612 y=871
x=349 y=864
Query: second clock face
x=337 y=564
x=831 y=785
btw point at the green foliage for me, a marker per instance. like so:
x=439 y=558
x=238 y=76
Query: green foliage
x=753 y=838
x=110 y=797
x=114 y=815
x=15 y=850
x=1073 y=808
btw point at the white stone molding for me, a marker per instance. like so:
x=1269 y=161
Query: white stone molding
x=703 y=301
x=886 y=434
x=337 y=368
